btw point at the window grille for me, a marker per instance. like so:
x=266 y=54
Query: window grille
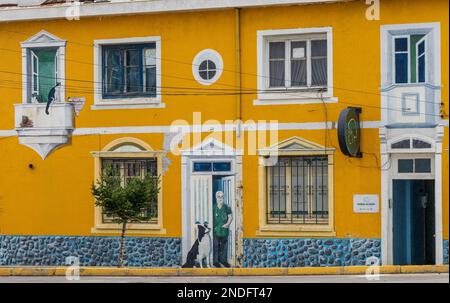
x=297 y=190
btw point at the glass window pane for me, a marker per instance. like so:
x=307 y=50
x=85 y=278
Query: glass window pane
x=402 y=144
x=298 y=50
x=112 y=71
x=222 y=166
x=299 y=187
x=276 y=50
x=319 y=169
x=203 y=65
x=132 y=57
x=421 y=48
x=47 y=72
x=421 y=68
x=401 y=44
x=318 y=48
x=132 y=79
x=150 y=56
x=401 y=68
x=298 y=73
x=423 y=165
x=211 y=65
x=277 y=189
x=150 y=80
x=420 y=144
x=202 y=166
x=405 y=166
x=204 y=75
x=319 y=72
x=211 y=74
x=276 y=74
x=298 y=63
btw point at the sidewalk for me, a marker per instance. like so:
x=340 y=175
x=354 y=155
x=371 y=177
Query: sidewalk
x=297 y=271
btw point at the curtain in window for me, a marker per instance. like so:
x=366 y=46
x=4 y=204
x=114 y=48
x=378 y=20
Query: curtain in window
x=319 y=63
x=276 y=64
x=298 y=63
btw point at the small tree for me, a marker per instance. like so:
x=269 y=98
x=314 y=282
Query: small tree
x=128 y=202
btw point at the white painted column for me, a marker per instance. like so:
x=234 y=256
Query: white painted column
x=385 y=211
x=438 y=202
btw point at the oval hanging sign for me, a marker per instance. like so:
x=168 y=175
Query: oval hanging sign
x=349 y=132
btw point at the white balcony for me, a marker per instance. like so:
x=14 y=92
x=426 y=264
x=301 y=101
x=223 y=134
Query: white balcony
x=412 y=105
x=41 y=132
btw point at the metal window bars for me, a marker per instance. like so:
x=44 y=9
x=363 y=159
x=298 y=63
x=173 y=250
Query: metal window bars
x=297 y=190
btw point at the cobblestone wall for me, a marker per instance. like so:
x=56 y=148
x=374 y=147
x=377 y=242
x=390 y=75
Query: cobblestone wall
x=91 y=251
x=309 y=252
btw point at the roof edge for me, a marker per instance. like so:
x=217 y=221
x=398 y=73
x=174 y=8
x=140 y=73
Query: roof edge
x=65 y=10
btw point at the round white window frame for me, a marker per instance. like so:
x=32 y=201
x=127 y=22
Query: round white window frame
x=207 y=54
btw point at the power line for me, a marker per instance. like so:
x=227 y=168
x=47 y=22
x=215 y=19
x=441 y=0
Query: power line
x=189 y=79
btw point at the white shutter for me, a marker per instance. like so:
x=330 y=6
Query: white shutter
x=34 y=73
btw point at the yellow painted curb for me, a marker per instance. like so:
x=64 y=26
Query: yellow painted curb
x=272 y=271
x=205 y=271
x=292 y=271
x=299 y=271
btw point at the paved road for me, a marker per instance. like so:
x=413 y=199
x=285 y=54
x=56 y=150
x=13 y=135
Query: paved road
x=402 y=278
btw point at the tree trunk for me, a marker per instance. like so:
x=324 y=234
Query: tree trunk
x=122 y=244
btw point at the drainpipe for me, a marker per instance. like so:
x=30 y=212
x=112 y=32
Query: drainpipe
x=237 y=29
x=239 y=137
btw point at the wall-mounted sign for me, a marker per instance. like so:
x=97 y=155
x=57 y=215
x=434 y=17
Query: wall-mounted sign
x=349 y=132
x=366 y=204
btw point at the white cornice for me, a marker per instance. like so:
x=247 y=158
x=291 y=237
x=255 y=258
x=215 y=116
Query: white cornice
x=9 y=14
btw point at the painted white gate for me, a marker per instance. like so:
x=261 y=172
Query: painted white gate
x=229 y=199
x=201 y=206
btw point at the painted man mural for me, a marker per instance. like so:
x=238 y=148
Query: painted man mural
x=221 y=227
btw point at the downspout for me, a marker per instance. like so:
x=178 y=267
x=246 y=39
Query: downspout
x=237 y=35
x=239 y=138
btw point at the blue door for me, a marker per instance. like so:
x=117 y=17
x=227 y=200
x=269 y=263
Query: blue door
x=413 y=222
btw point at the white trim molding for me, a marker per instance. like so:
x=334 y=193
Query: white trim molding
x=139 y=7
x=292 y=95
x=128 y=102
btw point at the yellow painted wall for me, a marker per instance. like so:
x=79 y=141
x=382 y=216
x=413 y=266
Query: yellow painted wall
x=55 y=198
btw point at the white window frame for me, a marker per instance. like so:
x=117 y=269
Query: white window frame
x=425 y=54
x=129 y=102
x=432 y=60
x=300 y=95
x=43 y=40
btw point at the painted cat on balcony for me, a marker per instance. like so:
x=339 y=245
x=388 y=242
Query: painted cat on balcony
x=51 y=97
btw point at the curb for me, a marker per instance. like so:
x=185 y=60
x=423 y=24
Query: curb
x=291 y=271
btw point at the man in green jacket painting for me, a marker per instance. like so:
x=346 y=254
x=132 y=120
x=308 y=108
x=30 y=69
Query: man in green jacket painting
x=222 y=221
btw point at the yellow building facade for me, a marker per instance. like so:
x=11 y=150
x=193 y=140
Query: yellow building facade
x=244 y=100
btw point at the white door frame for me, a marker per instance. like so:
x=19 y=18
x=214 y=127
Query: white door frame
x=210 y=150
x=389 y=173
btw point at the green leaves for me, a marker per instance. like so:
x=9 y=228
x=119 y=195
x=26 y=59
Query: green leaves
x=132 y=200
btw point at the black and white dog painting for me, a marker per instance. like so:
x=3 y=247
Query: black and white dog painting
x=201 y=249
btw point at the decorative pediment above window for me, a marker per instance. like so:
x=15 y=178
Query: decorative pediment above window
x=43 y=39
x=211 y=147
x=294 y=145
